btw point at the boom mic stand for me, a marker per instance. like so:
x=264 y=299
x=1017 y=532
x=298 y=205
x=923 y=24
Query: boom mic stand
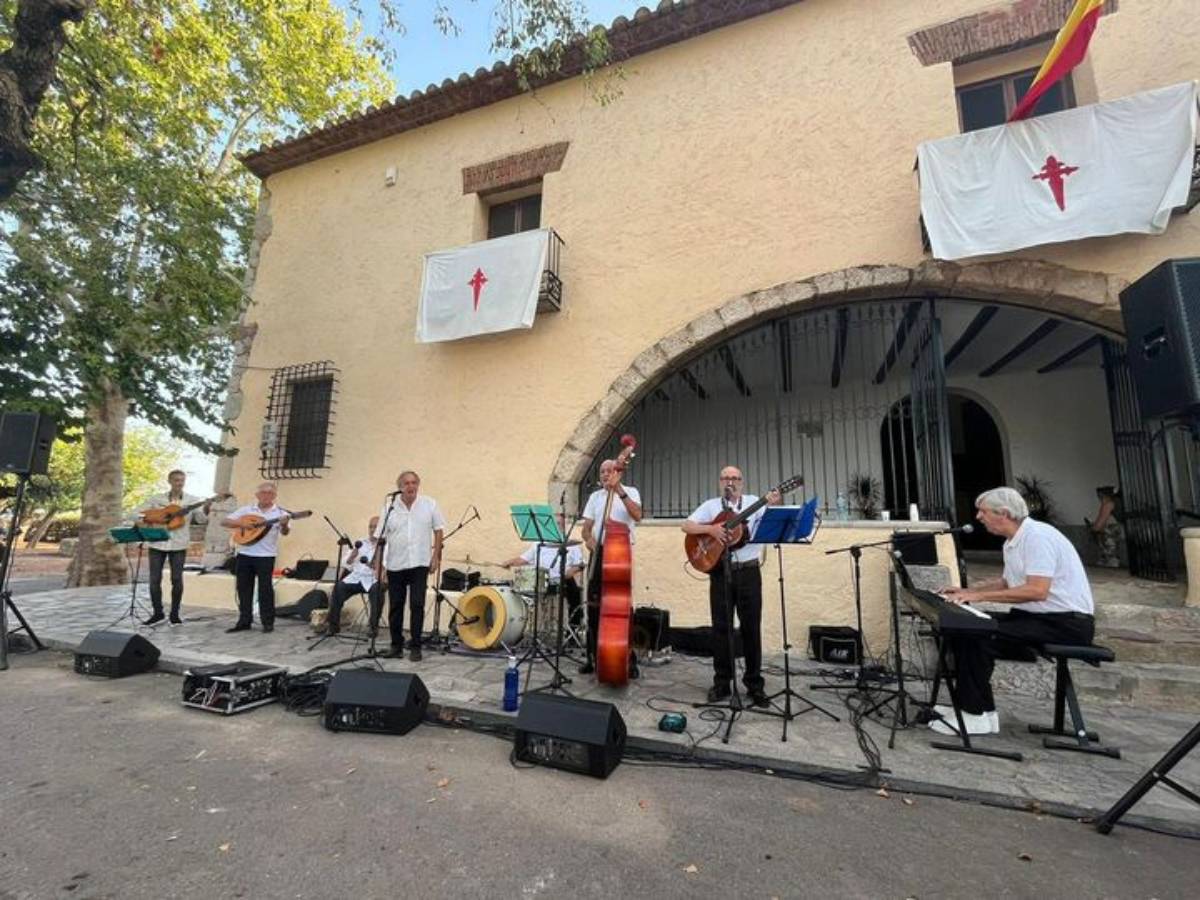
x=343 y=540
x=6 y=601
x=438 y=597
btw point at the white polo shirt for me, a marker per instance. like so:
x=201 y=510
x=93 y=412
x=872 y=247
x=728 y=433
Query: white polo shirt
x=268 y=545
x=594 y=510
x=707 y=511
x=1041 y=549
x=548 y=559
x=409 y=532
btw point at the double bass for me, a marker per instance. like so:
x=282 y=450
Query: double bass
x=614 y=552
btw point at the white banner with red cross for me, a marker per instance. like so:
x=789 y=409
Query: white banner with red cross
x=1107 y=168
x=482 y=288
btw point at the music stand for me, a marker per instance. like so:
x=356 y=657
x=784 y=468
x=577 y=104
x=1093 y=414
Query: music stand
x=788 y=525
x=535 y=523
x=135 y=534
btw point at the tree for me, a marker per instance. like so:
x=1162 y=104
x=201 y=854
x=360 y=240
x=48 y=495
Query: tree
x=26 y=70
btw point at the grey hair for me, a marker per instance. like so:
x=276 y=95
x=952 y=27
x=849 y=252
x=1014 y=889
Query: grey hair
x=1004 y=500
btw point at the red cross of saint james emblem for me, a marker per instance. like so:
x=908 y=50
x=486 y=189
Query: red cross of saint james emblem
x=478 y=280
x=1053 y=173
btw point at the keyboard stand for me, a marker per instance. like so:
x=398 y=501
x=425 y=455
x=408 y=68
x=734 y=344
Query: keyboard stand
x=944 y=673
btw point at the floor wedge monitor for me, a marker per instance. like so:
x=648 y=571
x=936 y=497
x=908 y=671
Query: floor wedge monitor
x=382 y=702
x=582 y=736
x=114 y=654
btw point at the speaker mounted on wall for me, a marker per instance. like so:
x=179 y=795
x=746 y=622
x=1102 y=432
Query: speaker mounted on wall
x=1161 y=311
x=25 y=442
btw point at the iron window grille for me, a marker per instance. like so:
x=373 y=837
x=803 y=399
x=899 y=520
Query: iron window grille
x=298 y=432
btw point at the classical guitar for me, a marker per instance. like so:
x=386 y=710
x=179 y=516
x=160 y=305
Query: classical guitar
x=704 y=551
x=616 y=589
x=252 y=528
x=173 y=516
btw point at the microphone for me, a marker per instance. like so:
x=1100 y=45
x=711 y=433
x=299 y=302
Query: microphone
x=960 y=529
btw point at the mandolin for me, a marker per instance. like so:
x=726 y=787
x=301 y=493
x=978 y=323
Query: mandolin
x=704 y=551
x=173 y=516
x=252 y=528
x=616 y=590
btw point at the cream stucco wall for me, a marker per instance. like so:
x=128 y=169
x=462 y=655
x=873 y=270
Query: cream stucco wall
x=769 y=151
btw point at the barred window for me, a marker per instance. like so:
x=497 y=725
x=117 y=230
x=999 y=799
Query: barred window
x=297 y=434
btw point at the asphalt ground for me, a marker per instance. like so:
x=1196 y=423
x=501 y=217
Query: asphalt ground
x=113 y=789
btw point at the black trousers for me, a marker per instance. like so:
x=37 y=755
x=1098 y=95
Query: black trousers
x=745 y=597
x=407 y=584
x=573 y=597
x=1017 y=631
x=343 y=591
x=250 y=570
x=157 y=558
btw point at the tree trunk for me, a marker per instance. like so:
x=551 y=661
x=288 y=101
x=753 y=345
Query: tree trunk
x=97 y=559
x=35 y=533
x=26 y=70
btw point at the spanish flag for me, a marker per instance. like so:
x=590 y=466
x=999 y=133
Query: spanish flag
x=1068 y=51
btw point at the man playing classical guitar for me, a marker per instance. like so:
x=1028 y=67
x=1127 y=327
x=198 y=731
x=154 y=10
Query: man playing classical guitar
x=626 y=508
x=174 y=549
x=256 y=561
x=745 y=589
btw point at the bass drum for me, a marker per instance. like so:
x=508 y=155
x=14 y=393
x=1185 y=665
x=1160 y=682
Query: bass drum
x=499 y=616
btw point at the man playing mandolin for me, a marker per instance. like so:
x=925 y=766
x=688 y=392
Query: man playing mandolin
x=256 y=561
x=157 y=512
x=745 y=588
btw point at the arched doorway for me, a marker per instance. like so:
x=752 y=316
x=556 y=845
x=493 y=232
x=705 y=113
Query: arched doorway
x=977 y=454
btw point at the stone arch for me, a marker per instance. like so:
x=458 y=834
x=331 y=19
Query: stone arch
x=1089 y=297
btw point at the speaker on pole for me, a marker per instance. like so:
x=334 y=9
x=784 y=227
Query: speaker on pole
x=1162 y=329
x=583 y=736
x=382 y=702
x=25 y=442
x=114 y=654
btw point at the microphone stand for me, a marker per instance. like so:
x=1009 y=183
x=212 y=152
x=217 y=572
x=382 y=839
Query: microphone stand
x=438 y=597
x=343 y=541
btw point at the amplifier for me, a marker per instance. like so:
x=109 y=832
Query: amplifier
x=837 y=644
x=651 y=628
x=232 y=687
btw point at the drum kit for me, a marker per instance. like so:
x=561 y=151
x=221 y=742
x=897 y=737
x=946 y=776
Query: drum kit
x=497 y=614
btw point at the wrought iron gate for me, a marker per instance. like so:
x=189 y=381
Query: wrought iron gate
x=1149 y=515
x=931 y=418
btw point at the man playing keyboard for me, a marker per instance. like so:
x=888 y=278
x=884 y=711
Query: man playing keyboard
x=1045 y=581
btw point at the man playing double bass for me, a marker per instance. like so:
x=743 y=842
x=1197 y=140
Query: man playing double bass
x=626 y=507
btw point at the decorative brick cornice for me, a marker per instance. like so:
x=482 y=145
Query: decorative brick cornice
x=995 y=30
x=668 y=24
x=515 y=170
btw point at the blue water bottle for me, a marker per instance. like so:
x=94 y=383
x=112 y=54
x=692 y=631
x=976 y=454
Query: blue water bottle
x=512 y=682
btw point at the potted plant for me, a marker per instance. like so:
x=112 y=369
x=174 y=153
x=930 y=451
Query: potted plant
x=1037 y=498
x=865 y=492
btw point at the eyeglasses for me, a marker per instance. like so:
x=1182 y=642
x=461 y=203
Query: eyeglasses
x=731 y=477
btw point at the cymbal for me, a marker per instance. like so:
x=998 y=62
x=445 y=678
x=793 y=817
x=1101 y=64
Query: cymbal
x=467 y=561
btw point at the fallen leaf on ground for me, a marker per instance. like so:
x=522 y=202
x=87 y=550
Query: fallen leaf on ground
x=643 y=804
x=431 y=767
x=908 y=801
x=200 y=754
x=215 y=809
x=172 y=837
x=352 y=770
x=224 y=848
x=769 y=771
x=690 y=869
x=1025 y=856
x=431 y=799
x=443 y=782
x=882 y=792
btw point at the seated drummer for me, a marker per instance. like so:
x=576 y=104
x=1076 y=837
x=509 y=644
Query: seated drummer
x=1045 y=581
x=548 y=561
x=358 y=577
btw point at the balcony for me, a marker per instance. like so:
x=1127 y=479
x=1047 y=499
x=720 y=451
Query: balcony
x=550 y=293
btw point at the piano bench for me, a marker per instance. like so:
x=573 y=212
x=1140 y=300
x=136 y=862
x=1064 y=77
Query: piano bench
x=1080 y=739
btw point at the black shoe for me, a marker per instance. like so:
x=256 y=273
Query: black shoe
x=175 y=620
x=240 y=626
x=393 y=652
x=155 y=619
x=718 y=692
x=331 y=630
x=758 y=697
x=267 y=629
x=414 y=655
x=587 y=668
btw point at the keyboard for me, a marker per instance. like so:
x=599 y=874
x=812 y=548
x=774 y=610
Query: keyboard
x=945 y=617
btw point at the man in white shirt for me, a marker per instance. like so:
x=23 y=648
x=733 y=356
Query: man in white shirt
x=174 y=549
x=412 y=527
x=745 y=589
x=626 y=507
x=1044 y=579
x=359 y=578
x=548 y=561
x=256 y=562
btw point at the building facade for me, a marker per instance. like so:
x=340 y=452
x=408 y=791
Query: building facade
x=741 y=279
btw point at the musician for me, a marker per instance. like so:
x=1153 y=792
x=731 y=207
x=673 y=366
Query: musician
x=1044 y=581
x=626 y=508
x=548 y=561
x=255 y=562
x=358 y=578
x=174 y=549
x=412 y=527
x=745 y=588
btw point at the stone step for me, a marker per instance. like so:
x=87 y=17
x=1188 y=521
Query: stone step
x=1153 y=685
x=1148 y=634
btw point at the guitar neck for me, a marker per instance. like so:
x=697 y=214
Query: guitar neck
x=746 y=513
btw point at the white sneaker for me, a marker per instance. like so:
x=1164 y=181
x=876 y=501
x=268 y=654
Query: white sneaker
x=975 y=724
x=995 y=717
x=947 y=713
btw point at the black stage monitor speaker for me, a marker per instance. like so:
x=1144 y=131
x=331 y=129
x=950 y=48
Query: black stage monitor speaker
x=583 y=736
x=1162 y=329
x=25 y=441
x=114 y=654
x=382 y=702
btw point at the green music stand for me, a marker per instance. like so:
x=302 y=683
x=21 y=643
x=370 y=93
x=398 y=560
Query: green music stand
x=131 y=534
x=536 y=523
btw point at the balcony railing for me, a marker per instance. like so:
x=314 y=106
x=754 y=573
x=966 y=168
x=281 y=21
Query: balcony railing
x=550 y=293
